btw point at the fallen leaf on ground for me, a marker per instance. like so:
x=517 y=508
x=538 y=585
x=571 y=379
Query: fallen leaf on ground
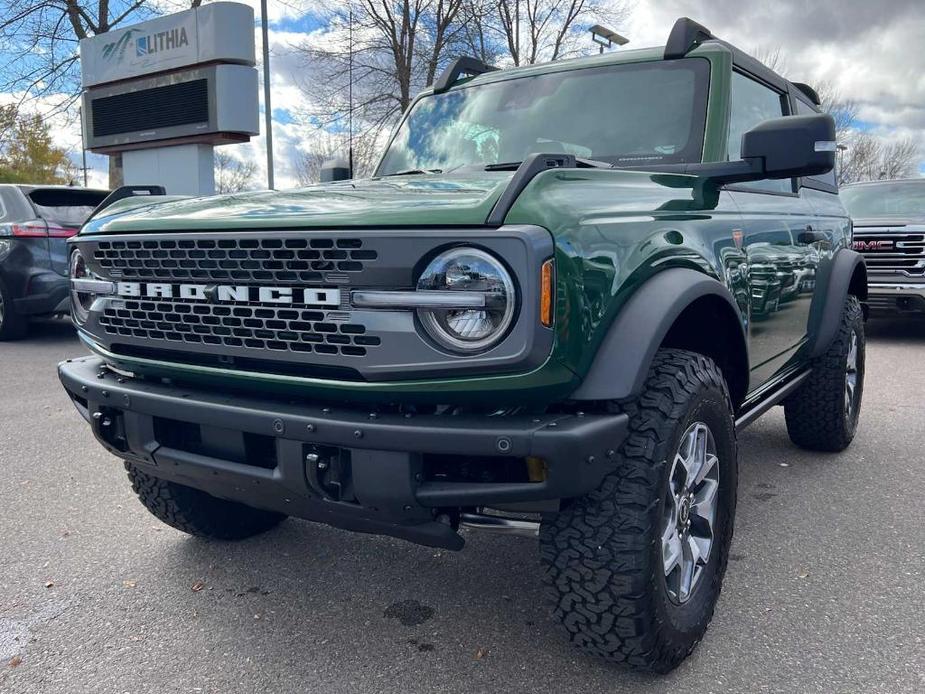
x=197 y=586
x=481 y=653
x=49 y=584
x=15 y=660
x=803 y=574
x=130 y=583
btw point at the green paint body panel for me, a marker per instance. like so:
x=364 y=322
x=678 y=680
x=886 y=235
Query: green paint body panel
x=613 y=230
x=399 y=201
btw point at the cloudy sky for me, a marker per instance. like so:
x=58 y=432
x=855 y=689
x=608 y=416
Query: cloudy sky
x=871 y=51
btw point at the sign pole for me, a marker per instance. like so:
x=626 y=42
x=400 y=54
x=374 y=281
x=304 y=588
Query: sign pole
x=83 y=146
x=267 y=109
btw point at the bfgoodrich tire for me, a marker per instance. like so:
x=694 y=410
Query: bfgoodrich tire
x=635 y=567
x=197 y=513
x=822 y=415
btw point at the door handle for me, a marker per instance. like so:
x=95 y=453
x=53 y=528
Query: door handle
x=809 y=235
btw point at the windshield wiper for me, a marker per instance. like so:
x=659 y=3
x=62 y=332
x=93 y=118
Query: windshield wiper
x=412 y=172
x=580 y=162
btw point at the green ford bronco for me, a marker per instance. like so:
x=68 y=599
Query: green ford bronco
x=564 y=291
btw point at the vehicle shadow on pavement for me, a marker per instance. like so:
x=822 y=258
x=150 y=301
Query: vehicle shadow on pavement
x=312 y=590
x=897 y=329
x=51 y=330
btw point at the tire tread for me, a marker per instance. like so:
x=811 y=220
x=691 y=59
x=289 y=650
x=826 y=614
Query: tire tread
x=195 y=512
x=597 y=553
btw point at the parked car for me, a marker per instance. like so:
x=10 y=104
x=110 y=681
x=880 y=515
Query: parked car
x=35 y=223
x=889 y=231
x=539 y=304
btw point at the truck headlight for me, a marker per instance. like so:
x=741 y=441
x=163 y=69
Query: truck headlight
x=80 y=300
x=468 y=330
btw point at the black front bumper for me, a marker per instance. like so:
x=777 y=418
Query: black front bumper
x=391 y=490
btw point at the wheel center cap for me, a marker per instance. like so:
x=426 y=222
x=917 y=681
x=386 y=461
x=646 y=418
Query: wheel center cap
x=684 y=510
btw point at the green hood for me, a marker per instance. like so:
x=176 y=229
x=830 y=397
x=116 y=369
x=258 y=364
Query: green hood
x=432 y=200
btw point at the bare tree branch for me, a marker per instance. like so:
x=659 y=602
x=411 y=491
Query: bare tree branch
x=233 y=175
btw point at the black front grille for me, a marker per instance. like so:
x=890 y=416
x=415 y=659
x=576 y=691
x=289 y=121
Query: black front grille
x=147 y=109
x=281 y=329
x=273 y=260
x=893 y=253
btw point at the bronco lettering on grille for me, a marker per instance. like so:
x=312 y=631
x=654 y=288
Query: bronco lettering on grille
x=222 y=293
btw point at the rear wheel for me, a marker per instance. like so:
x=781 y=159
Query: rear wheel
x=198 y=513
x=635 y=567
x=12 y=325
x=822 y=415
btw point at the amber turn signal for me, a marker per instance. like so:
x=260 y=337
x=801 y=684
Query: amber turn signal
x=546 y=289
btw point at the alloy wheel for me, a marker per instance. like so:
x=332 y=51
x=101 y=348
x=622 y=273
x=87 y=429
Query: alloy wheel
x=690 y=512
x=851 y=375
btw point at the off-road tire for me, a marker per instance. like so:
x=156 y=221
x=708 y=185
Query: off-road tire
x=198 y=513
x=816 y=413
x=13 y=326
x=602 y=554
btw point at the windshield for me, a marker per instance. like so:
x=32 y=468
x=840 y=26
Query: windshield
x=887 y=199
x=628 y=115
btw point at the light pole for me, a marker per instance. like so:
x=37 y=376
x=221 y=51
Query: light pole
x=606 y=38
x=350 y=96
x=841 y=147
x=83 y=147
x=517 y=31
x=267 y=109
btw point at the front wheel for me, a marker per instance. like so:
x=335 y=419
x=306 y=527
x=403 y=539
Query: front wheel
x=195 y=512
x=822 y=415
x=635 y=567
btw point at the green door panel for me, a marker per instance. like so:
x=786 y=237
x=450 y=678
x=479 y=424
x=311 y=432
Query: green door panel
x=781 y=276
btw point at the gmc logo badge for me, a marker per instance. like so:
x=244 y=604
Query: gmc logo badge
x=874 y=245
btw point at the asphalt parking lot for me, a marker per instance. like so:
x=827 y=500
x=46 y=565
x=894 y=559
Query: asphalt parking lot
x=825 y=591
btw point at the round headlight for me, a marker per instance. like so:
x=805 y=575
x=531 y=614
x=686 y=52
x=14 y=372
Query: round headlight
x=80 y=301
x=468 y=330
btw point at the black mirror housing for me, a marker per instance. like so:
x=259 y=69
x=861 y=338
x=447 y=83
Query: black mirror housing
x=792 y=146
x=335 y=170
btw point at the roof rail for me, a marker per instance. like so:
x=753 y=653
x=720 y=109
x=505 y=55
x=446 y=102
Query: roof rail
x=685 y=36
x=808 y=91
x=463 y=65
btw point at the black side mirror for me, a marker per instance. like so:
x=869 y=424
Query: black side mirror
x=783 y=147
x=792 y=145
x=335 y=170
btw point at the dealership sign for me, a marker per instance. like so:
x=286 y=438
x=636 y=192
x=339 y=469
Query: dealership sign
x=218 y=32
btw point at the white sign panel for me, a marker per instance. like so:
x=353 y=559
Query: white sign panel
x=218 y=32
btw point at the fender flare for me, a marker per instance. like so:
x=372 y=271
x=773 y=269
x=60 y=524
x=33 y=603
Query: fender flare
x=622 y=362
x=848 y=275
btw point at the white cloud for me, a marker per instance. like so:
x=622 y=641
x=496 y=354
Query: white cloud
x=871 y=52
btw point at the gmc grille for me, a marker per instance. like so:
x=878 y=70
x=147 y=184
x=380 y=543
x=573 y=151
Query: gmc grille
x=892 y=252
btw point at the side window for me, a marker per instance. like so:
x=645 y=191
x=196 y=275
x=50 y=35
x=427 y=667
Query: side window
x=752 y=103
x=4 y=215
x=804 y=109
